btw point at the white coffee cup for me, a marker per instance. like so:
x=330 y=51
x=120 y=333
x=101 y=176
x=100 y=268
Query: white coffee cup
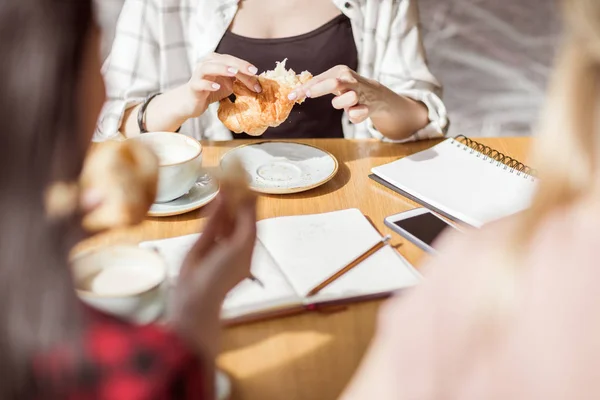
x=180 y=162
x=125 y=281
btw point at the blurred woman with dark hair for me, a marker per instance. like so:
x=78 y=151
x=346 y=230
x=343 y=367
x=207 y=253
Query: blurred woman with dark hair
x=51 y=345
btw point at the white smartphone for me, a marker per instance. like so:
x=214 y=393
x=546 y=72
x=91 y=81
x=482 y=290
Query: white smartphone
x=419 y=226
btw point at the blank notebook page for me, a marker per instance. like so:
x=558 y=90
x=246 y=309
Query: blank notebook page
x=311 y=248
x=461 y=182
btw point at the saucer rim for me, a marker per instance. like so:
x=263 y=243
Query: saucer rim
x=297 y=189
x=159 y=214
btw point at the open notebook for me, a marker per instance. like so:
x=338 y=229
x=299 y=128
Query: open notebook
x=295 y=254
x=462 y=180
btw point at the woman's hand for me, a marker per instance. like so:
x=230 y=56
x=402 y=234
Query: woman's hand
x=395 y=116
x=360 y=97
x=227 y=240
x=213 y=78
x=218 y=262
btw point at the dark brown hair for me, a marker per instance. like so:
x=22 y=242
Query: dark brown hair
x=41 y=48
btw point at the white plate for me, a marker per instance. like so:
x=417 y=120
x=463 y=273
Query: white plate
x=284 y=167
x=202 y=193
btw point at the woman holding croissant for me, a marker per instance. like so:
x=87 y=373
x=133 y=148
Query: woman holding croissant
x=51 y=345
x=173 y=61
x=513 y=312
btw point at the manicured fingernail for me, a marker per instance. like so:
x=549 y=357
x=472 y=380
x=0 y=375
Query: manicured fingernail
x=307 y=93
x=257 y=88
x=232 y=70
x=292 y=96
x=216 y=86
x=253 y=70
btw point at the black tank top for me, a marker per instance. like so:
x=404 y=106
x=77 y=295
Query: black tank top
x=316 y=51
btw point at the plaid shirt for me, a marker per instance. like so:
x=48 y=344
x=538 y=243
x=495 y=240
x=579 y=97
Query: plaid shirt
x=159 y=42
x=121 y=361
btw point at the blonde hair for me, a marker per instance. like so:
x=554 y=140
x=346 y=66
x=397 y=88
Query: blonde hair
x=567 y=152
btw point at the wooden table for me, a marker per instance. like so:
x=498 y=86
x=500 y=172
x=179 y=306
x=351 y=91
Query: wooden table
x=310 y=356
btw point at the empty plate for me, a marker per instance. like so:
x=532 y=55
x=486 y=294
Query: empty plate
x=284 y=167
x=202 y=193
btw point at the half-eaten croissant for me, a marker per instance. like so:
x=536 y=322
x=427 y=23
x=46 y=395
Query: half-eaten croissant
x=254 y=112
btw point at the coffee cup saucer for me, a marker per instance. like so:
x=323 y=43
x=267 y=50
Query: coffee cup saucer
x=203 y=192
x=281 y=167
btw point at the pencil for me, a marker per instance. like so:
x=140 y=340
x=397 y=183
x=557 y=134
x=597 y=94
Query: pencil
x=384 y=241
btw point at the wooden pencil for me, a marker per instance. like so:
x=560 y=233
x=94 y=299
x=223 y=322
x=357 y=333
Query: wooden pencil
x=384 y=241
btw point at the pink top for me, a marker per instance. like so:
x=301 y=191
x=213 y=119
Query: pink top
x=439 y=342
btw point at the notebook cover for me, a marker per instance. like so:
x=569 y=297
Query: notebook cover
x=327 y=307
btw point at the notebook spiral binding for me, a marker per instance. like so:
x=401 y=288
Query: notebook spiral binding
x=510 y=164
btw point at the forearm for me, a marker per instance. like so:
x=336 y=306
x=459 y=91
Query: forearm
x=165 y=113
x=398 y=117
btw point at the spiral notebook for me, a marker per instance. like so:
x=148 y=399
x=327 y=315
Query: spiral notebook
x=294 y=254
x=462 y=180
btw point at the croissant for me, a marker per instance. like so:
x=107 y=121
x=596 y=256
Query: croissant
x=254 y=112
x=124 y=173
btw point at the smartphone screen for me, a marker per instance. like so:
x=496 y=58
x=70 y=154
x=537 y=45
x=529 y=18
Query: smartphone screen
x=425 y=227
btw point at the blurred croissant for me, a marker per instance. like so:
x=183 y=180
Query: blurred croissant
x=126 y=176
x=123 y=176
x=254 y=112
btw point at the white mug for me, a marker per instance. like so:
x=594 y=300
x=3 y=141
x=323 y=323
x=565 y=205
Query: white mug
x=180 y=162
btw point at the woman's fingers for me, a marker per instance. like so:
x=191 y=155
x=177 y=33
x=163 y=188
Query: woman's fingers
x=204 y=85
x=243 y=67
x=316 y=87
x=222 y=228
x=336 y=80
x=342 y=82
x=328 y=86
x=216 y=69
x=251 y=82
x=245 y=227
x=358 y=114
x=240 y=245
x=229 y=67
x=212 y=231
x=233 y=254
x=345 y=101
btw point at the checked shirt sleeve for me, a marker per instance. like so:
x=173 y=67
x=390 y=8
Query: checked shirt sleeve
x=122 y=361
